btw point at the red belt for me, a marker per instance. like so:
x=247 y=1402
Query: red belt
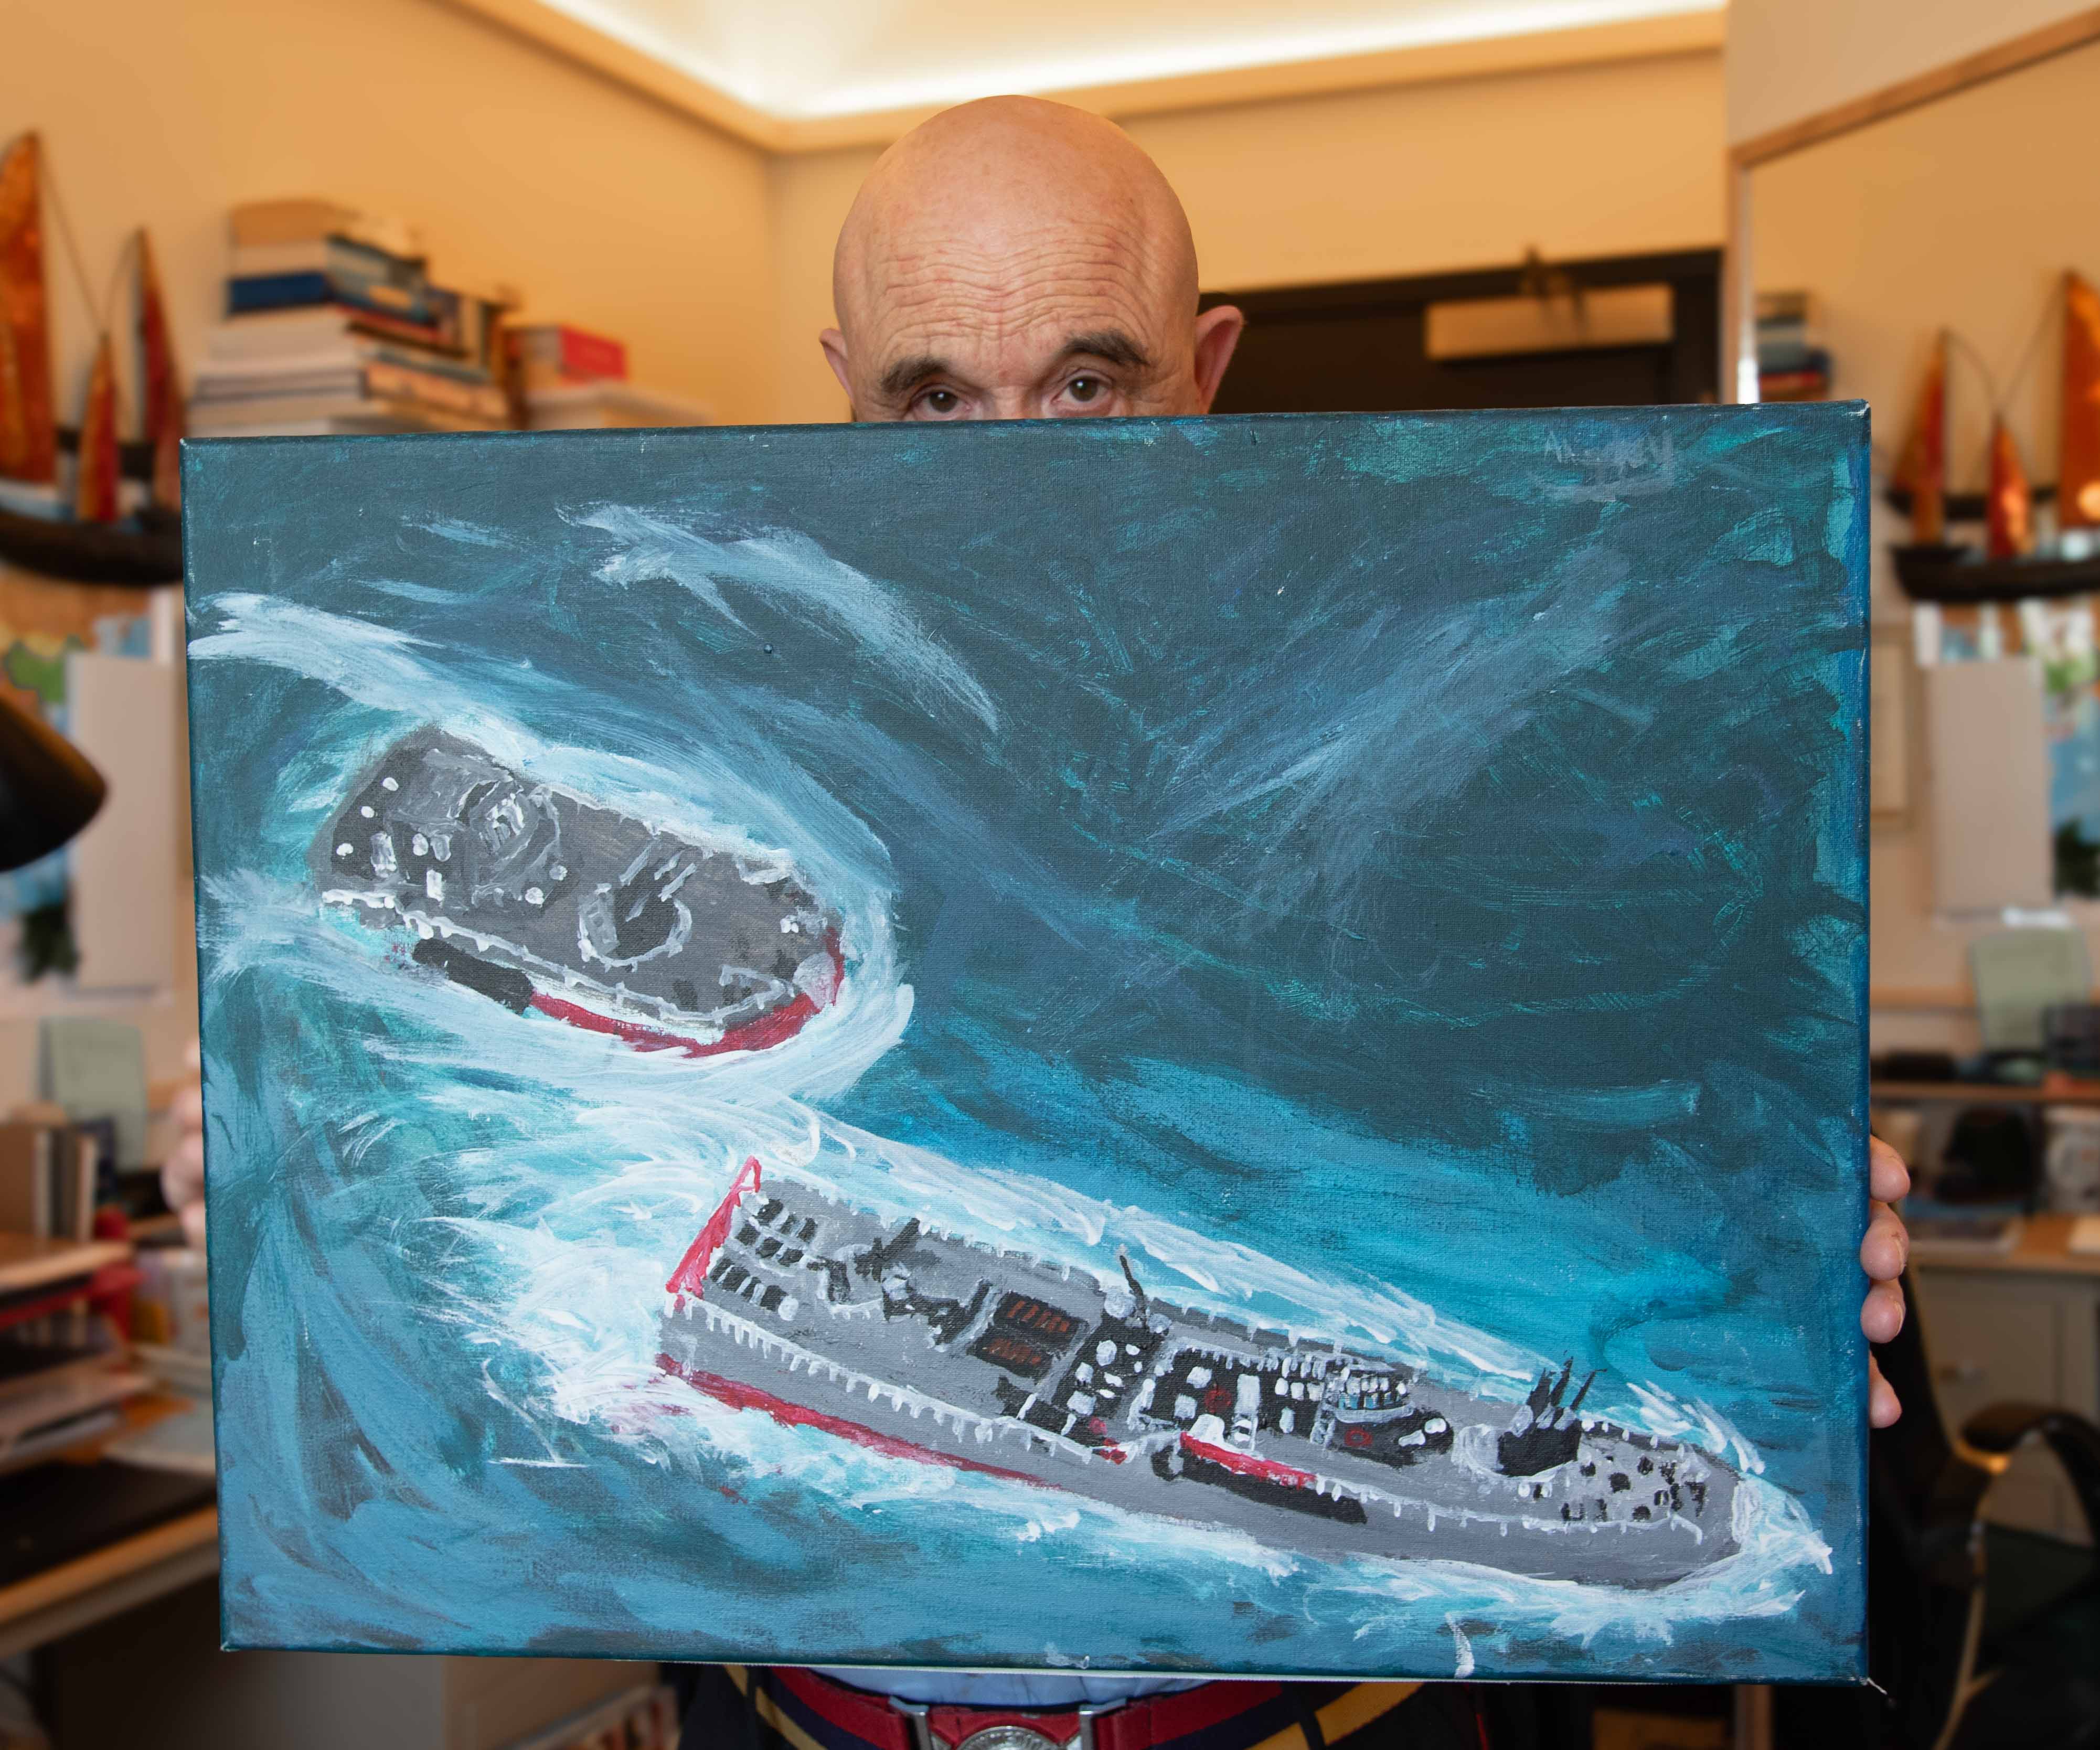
x=812 y=1712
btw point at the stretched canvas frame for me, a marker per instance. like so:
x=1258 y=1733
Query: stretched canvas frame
x=1232 y=1045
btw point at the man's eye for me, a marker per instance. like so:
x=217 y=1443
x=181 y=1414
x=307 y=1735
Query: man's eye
x=940 y=401
x=1085 y=389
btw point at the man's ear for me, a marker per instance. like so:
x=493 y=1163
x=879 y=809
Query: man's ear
x=834 y=344
x=1217 y=332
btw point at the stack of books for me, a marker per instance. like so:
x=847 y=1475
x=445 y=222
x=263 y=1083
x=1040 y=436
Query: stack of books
x=49 y=1173
x=568 y=379
x=1791 y=367
x=335 y=324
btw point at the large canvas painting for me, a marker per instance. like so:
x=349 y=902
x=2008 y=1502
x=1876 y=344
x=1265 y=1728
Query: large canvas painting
x=1226 y=1046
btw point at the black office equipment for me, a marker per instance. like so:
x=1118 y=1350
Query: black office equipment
x=1990 y=1633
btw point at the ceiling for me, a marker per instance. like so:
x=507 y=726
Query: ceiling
x=803 y=60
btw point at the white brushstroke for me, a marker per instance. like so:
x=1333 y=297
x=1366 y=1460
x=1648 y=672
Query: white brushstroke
x=1462 y=1665
x=796 y=573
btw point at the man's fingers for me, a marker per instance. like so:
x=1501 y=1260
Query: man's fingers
x=1883 y=1314
x=1887 y=1248
x=188 y=1108
x=182 y=1175
x=193 y=1225
x=1887 y=1177
x=1882 y=1405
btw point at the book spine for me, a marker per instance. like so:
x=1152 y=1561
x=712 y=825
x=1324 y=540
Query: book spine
x=390 y=327
x=253 y=261
x=276 y=291
x=363 y=279
x=593 y=356
x=385 y=381
x=40 y=1188
x=570 y=353
x=90 y=1166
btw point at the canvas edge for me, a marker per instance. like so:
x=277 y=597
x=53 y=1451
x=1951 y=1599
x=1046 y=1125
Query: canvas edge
x=192 y=461
x=1859 y=605
x=196 y=455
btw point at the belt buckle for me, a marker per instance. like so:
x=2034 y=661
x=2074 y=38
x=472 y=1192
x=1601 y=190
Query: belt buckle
x=1002 y=1737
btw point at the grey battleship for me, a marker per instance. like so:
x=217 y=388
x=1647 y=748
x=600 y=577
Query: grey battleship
x=541 y=900
x=936 y=1347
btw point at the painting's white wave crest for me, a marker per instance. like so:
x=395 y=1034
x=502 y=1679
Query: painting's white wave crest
x=577 y=1310
x=793 y=569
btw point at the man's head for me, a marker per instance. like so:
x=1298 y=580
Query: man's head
x=1019 y=259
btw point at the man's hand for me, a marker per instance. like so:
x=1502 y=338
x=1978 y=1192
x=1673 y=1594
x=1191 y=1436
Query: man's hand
x=182 y=1175
x=1882 y=1255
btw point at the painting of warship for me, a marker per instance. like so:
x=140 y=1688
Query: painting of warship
x=542 y=901
x=943 y=1349
x=1227 y=1046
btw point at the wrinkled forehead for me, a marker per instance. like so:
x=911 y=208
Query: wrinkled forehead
x=1012 y=294
x=1002 y=248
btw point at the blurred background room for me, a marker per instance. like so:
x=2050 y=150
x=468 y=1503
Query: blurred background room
x=239 y=218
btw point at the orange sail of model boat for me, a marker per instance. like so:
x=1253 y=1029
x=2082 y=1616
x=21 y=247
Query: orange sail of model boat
x=2009 y=515
x=96 y=488
x=77 y=529
x=163 y=387
x=2078 y=473
x=28 y=435
x=1923 y=469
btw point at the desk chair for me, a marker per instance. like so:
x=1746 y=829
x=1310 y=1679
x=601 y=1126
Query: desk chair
x=1982 y=1638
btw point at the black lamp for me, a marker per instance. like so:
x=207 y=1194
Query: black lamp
x=48 y=790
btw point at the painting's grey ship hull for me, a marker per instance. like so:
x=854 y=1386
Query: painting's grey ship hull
x=544 y=900
x=940 y=1348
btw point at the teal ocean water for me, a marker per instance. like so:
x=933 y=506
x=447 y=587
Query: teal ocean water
x=1401 y=879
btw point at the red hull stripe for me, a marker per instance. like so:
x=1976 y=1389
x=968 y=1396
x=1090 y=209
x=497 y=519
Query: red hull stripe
x=690 y=1277
x=1267 y=1469
x=782 y=1024
x=739 y=1397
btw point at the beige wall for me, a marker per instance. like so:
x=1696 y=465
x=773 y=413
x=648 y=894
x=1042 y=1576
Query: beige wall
x=1614 y=159
x=1789 y=59
x=607 y=208
x=1965 y=214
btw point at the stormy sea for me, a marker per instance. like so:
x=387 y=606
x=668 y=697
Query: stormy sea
x=1399 y=881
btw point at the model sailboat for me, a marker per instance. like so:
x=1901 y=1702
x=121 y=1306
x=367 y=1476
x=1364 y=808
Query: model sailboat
x=88 y=534
x=2078 y=480
x=2013 y=563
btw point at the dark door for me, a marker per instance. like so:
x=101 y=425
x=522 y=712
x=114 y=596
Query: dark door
x=1360 y=348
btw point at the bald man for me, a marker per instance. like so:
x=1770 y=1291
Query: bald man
x=1016 y=259
x=1019 y=259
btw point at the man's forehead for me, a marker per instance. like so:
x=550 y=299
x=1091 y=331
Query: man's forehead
x=1038 y=286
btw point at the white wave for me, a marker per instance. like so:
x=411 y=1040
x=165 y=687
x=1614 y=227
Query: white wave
x=795 y=571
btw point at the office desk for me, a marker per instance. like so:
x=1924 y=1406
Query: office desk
x=2019 y=1324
